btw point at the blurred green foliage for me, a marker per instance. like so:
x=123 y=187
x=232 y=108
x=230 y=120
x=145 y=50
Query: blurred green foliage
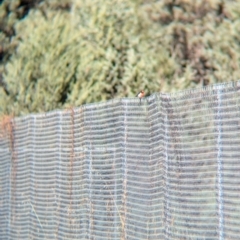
x=66 y=53
x=203 y=37
x=10 y=13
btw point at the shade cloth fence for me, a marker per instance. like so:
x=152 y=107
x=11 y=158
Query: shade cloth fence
x=168 y=168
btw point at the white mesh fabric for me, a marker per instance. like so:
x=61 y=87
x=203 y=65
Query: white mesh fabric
x=165 y=169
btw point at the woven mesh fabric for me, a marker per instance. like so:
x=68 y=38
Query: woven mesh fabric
x=167 y=168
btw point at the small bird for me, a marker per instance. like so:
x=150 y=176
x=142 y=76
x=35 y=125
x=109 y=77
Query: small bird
x=140 y=95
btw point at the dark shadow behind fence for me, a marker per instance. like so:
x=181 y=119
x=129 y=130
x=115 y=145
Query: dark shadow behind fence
x=166 y=169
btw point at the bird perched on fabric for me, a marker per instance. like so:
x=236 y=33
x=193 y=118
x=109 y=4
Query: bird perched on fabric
x=140 y=95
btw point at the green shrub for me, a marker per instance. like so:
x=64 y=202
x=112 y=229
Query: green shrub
x=99 y=50
x=10 y=13
x=203 y=38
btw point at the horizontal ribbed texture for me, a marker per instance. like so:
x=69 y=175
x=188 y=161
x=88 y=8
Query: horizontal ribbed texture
x=167 y=168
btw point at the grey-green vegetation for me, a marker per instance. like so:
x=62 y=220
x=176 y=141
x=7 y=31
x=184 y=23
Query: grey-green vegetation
x=56 y=54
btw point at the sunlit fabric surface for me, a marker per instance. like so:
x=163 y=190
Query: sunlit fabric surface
x=168 y=168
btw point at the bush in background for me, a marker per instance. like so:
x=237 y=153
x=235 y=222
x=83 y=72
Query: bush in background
x=11 y=12
x=84 y=51
x=202 y=37
x=97 y=51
